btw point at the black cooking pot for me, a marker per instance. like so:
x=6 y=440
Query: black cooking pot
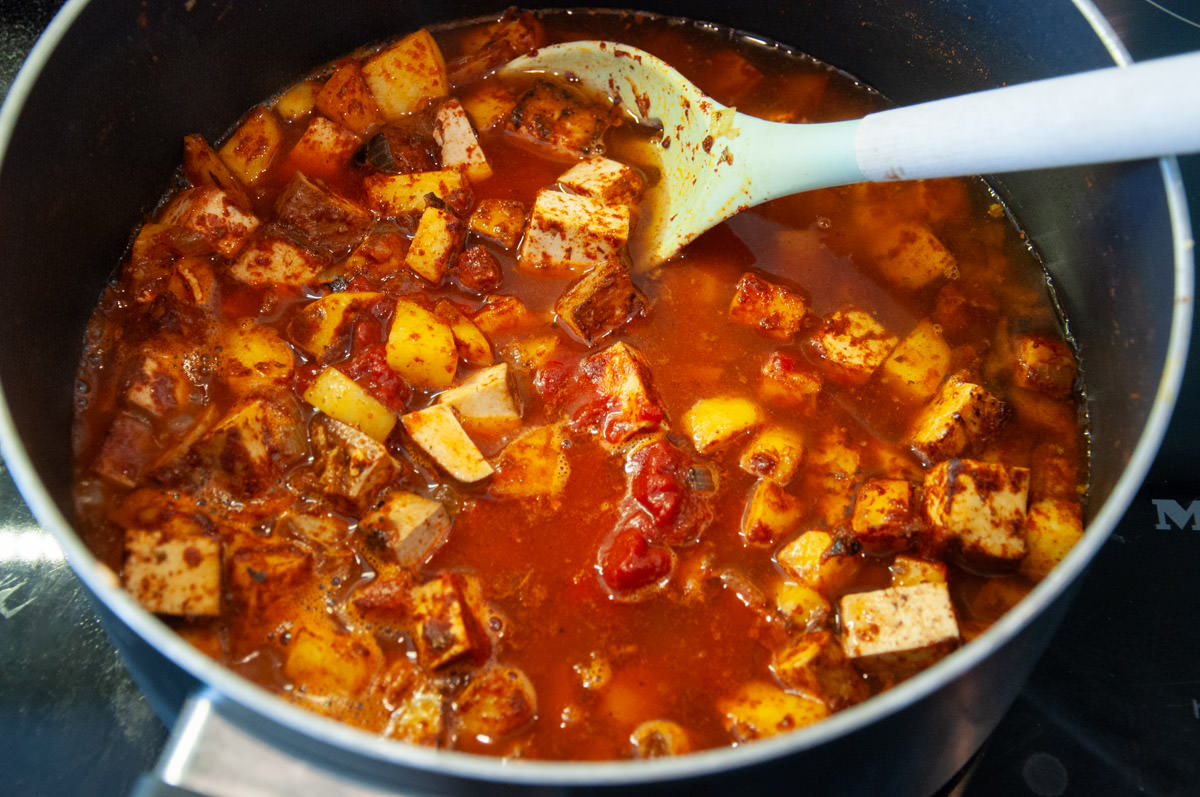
x=93 y=125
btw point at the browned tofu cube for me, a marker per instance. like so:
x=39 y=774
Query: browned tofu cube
x=264 y=574
x=177 y=574
x=979 y=507
x=818 y=560
x=884 y=515
x=485 y=402
x=213 y=216
x=404 y=74
x=608 y=180
x=851 y=345
x=439 y=433
x=759 y=709
x=1045 y=365
x=910 y=256
x=788 y=381
x=599 y=302
x=774 y=454
x=160 y=383
x=774 y=310
x=203 y=167
x=269 y=261
x=409 y=525
x=896 y=631
x=345 y=98
x=323 y=150
x=1052 y=527
x=961 y=416
x=320 y=219
x=815 y=665
x=434 y=244
x=460 y=145
x=129 y=448
x=628 y=402
x=499 y=220
x=553 y=116
x=771 y=514
x=567 y=234
x=907 y=570
x=443 y=631
x=250 y=447
x=349 y=467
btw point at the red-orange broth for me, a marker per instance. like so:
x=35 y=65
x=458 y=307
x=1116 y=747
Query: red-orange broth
x=622 y=601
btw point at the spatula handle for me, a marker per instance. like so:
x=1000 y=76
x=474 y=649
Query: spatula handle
x=1144 y=110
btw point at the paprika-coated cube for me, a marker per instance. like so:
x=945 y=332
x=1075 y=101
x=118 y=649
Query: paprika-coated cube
x=884 y=514
x=568 y=234
x=436 y=429
x=610 y=181
x=962 y=415
x=851 y=345
x=411 y=526
x=918 y=364
x=774 y=310
x=176 y=574
x=213 y=216
x=978 y=507
x=896 y=631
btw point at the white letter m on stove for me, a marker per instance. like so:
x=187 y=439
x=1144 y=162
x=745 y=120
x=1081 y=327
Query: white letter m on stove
x=1170 y=510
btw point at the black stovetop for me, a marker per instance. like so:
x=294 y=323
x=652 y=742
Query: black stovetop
x=1112 y=708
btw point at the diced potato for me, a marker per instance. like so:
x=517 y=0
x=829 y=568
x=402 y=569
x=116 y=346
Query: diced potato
x=568 y=234
x=434 y=244
x=420 y=347
x=411 y=526
x=298 y=101
x=260 y=575
x=884 y=514
x=1045 y=365
x=980 y=506
x=917 y=365
x=488 y=104
x=787 y=381
x=340 y=397
x=532 y=352
x=323 y=150
x=910 y=256
x=473 y=346
x=896 y=631
x=962 y=415
x=271 y=261
x=323 y=661
x=497 y=702
x=630 y=403
x=254 y=359
x=760 y=709
x=834 y=464
x=964 y=310
x=775 y=311
x=324 y=327
x=249 y=151
x=658 y=739
x=802 y=606
x=852 y=345
x=405 y=73
x=1052 y=527
x=346 y=99
x=380 y=255
x=600 y=302
x=460 y=146
x=771 y=514
x=718 y=421
x=499 y=220
x=349 y=466
x=532 y=466
x=173 y=574
x=203 y=167
x=813 y=559
x=436 y=430
x=775 y=454
x=397 y=194
x=443 y=634
x=502 y=314
x=610 y=181
x=908 y=570
x=484 y=402
x=816 y=666
x=251 y=446
x=213 y=216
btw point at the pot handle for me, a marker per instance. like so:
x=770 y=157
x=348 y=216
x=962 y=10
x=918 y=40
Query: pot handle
x=209 y=754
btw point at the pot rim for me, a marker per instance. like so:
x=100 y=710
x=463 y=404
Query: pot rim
x=103 y=582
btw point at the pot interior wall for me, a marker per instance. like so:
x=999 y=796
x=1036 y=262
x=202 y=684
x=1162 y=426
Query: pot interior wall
x=104 y=121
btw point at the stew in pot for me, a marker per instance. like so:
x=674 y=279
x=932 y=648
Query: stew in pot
x=377 y=414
